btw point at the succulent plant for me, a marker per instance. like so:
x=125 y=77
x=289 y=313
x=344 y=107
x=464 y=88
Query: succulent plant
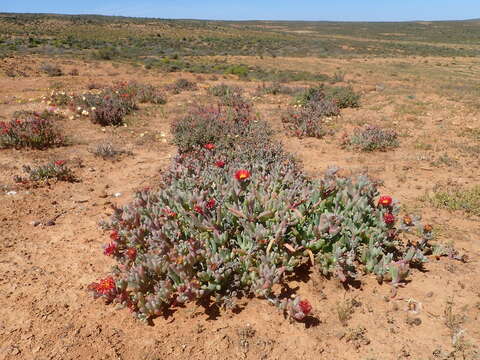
x=234 y=214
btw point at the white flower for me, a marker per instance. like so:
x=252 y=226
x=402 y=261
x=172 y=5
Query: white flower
x=94 y=108
x=85 y=112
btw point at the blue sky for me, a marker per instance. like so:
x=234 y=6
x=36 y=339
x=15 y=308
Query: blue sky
x=340 y=10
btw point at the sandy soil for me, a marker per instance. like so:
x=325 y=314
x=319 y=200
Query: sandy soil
x=46 y=311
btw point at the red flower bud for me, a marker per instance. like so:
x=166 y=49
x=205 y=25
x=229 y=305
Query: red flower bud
x=389 y=219
x=220 y=163
x=209 y=146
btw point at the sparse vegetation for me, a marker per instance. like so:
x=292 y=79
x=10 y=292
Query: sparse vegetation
x=56 y=170
x=372 y=138
x=108 y=151
x=457 y=198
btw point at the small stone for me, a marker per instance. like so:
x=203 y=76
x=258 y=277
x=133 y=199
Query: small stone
x=118 y=194
x=429 y=294
x=35 y=223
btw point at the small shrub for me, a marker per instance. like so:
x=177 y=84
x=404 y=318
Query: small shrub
x=182 y=85
x=309 y=120
x=339 y=76
x=51 y=69
x=107 y=151
x=223 y=90
x=141 y=93
x=372 y=138
x=240 y=70
x=34 y=132
x=344 y=97
x=313 y=94
x=277 y=88
x=214 y=125
x=107 y=53
x=56 y=170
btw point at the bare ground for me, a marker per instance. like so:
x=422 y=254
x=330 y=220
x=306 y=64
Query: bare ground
x=47 y=313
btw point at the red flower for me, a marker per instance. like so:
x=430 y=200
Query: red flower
x=220 y=163
x=305 y=307
x=211 y=204
x=385 y=201
x=104 y=286
x=170 y=213
x=132 y=253
x=198 y=209
x=114 y=235
x=209 y=146
x=110 y=249
x=388 y=218
x=60 y=162
x=241 y=175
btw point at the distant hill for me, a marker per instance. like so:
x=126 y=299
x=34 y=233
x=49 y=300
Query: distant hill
x=133 y=38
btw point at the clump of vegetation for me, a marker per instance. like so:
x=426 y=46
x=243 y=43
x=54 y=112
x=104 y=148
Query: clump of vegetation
x=372 y=138
x=51 y=69
x=310 y=95
x=457 y=198
x=52 y=113
x=182 y=85
x=142 y=93
x=108 y=151
x=110 y=105
x=277 y=88
x=310 y=120
x=205 y=125
x=32 y=131
x=223 y=90
x=343 y=97
x=234 y=215
x=57 y=170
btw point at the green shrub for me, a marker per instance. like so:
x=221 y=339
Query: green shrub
x=344 y=97
x=56 y=170
x=372 y=138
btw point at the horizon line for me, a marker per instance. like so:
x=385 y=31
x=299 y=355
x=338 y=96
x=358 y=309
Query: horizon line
x=238 y=20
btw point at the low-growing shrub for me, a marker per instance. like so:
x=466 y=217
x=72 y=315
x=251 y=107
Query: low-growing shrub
x=234 y=217
x=309 y=120
x=142 y=93
x=51 y=113
x=51 y=69
x=33 y=132
x=56 y=170
x=313 y=94
x=277 y=88
x=222 y=90
x=108 y=151
x=182 y=85
x=344 y=97
x=372 y=138
x=214 y=125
